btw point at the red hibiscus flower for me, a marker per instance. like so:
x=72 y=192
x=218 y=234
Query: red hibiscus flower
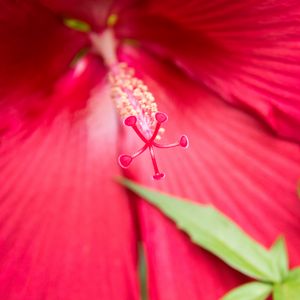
x=227 y=75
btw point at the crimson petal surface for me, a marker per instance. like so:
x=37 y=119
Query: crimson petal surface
x=66 y=227
x=233 y=162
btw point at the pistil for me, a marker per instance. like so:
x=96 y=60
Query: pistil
x=125 y=160
x=135 y=103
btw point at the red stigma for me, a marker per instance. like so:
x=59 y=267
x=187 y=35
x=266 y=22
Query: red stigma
x=125 y=160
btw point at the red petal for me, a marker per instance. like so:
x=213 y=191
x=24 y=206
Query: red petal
x=69 y=94
x=233 y=162
x=246 y=51
x=36 y=47
x=67 y=230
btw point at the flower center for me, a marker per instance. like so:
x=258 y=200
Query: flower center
x=134 y=102
x=137 y=107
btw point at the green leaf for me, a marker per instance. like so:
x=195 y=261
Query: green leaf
x=77 y=25
x=280 y=257
x=213 y=231
x=250 y=291
x=293 y=276
x=290 y=288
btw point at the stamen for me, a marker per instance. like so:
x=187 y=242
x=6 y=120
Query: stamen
x=132 y=98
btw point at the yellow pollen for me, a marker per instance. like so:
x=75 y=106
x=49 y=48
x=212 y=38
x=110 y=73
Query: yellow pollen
x=132 y=97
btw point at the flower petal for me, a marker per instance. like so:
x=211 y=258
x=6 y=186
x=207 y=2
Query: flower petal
x=36 y=47
x=233 y=162
x=69 y=94
x=67 y=230
x=248 y=51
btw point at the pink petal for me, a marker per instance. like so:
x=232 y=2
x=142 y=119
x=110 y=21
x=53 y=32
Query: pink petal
x=36 y=47
x=233 y=162
x=246 y=51
x=67 y=231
